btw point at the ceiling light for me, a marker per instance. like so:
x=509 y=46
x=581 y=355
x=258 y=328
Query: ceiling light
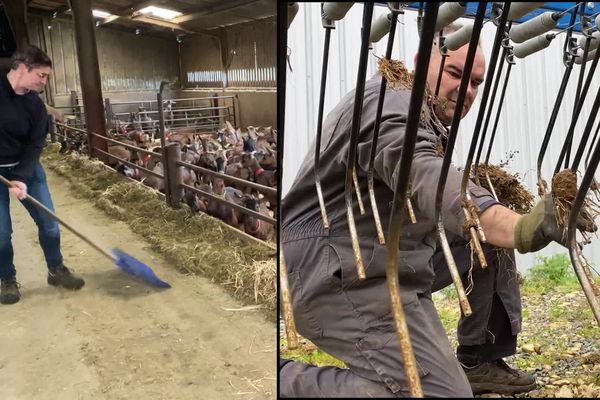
x=100 y=14
x=160 y=12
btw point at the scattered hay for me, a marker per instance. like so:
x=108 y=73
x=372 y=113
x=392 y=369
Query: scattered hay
x=509 y=190
x=195 y=243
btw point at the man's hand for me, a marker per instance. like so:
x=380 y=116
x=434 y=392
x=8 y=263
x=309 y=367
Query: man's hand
x=19 y=189
x=536 y=230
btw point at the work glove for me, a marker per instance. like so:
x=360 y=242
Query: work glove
x=538 y=228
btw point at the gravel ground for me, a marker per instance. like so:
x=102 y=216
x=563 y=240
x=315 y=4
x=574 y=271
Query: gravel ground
x=559 y=343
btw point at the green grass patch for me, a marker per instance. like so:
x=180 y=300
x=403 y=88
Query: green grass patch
x=308 y=354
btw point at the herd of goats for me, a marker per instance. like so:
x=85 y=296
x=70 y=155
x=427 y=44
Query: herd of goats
x=250 y=156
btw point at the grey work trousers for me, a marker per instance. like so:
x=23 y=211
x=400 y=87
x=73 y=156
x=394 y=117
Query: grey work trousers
x=329 y=314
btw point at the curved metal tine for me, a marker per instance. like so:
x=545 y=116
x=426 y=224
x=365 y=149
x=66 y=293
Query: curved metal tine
x=592 y=143
x=282 y=26
x=286 y=302
x=361 y=206
x=486 y=90
x=444 y=54
x=351 y=161
x=328 y=25
x=370 y=174
x=586 y=132
x=493 y=99
x=401 y=187
x=493 y=136
x=462 y=92
x=585 y=27
x=578 y=109
x=568 y=60
x=574 y=251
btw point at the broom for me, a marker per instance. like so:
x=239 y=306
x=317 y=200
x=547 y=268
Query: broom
x=126 y=262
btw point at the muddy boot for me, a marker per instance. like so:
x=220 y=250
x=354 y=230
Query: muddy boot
x=498 y=377
x=9 y=292
x=62 y=276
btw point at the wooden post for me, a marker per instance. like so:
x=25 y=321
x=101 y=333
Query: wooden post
x=172 y=153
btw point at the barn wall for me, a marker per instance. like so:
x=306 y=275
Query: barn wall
x=530 y=97
x=131 y=66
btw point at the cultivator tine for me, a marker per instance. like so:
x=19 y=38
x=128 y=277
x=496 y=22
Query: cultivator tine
x=578 y=108
x=398 y=204
x=288 y=312
x=462 y=91
x=586 y=132
x=467 y=202
x=351 y=160
x=509 y=59
x=585 y=26
x=286 y=302
x=577 y=259
x=395 y=10
x=592 y=143
x=505 y=48
x=569 y=52
x=361 y=206
x=328 y=25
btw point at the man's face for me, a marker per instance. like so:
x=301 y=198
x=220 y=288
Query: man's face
x=33 y=78
x=450 y=83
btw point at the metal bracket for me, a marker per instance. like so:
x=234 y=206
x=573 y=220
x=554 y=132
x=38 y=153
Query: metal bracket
x=586 y=26
x=496 y=12
x=396 y=7
x=327 y=23
x=571 y=51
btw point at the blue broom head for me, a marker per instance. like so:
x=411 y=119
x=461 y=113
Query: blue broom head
x=135 y=267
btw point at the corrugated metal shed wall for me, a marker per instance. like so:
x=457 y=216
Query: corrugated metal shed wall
x=530 y=96
x=201 y=62
x=128 y=62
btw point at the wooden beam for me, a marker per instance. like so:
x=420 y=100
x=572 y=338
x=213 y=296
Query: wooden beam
x=161 y=23
x=16 y=11
x=219 y=7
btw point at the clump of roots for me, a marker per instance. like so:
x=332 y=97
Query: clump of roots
x=395 y=73
x=564 y=190
x=473 y=210
x=398 y=77
x=506 y=186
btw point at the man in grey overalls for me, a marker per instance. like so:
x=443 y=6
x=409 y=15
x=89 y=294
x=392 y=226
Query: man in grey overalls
x=352 y=320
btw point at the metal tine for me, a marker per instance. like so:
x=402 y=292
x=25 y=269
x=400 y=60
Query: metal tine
x=574 y=251
x=578 y=108
x=586 y=132
x=493 y=97
x=286 y=301
x=462 y=91
x=351 y=160
x=328 y=25
x=509 y=60
x=388 y=55
x=585 y=29
x=592 y=143
x=282 y=27
x=568 y=60
x=361 y=206
x=465 y=179
x=398 y=204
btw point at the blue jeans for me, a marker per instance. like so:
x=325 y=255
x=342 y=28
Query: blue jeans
x=48 y=231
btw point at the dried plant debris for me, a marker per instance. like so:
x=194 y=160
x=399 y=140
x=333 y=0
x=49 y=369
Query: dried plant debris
x=564 y=190
x=197 y=244
x=511 y=193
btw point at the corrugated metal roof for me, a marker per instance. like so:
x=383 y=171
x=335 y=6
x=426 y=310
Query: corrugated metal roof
x=530 y=96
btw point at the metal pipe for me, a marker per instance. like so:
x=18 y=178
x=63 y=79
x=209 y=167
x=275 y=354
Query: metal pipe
x=398 y=204
x=351 y=159
x=587 y=157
